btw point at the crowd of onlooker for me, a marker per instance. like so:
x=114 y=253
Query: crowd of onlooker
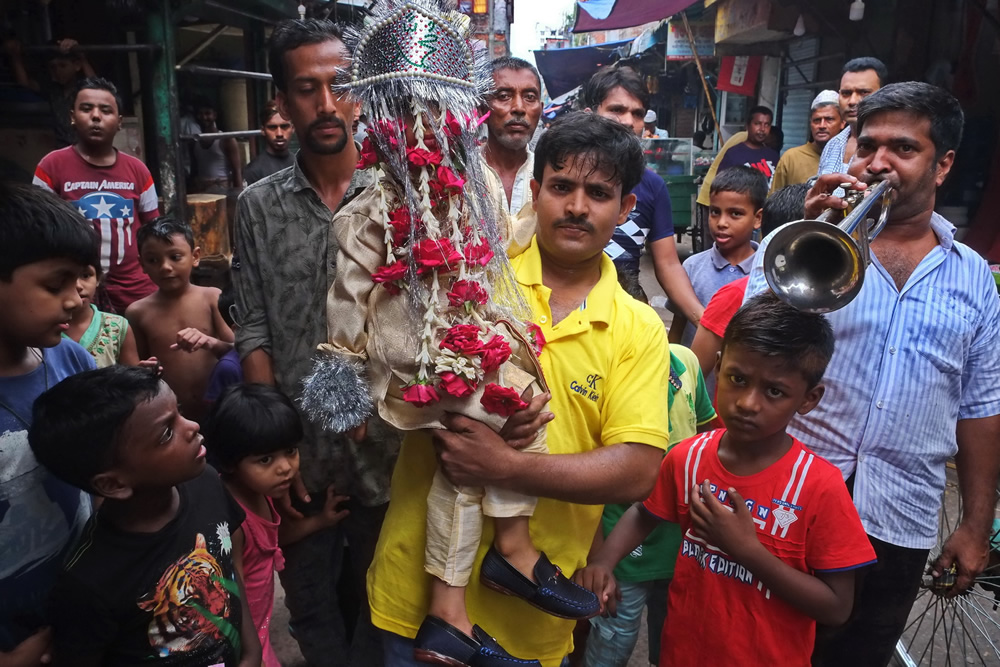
x=768 y=496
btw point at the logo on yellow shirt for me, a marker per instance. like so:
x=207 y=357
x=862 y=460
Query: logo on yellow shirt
x=587 y=389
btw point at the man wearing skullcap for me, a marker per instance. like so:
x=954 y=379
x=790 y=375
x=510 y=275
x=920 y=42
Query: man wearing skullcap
x=799 y=164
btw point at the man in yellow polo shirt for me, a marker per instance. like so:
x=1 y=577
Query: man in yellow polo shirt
x=606 y=361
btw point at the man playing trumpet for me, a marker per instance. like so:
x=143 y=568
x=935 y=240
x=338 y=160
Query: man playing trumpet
x=915 y=378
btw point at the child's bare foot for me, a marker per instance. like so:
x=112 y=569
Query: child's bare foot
x=522 y=556
x=512 y=540
x=448 y=604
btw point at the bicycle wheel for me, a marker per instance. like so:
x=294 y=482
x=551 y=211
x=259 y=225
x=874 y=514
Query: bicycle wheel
x=964 y=630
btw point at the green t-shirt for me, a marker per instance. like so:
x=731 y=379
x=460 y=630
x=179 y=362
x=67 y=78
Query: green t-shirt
x=689 y=407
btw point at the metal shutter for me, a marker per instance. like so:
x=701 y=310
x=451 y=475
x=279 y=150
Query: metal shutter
x=796 y=102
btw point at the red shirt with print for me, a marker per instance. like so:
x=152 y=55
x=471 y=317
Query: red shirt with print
x=718 y=612
x=116 y=199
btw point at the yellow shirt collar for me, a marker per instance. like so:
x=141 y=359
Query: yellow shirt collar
x=599 y=303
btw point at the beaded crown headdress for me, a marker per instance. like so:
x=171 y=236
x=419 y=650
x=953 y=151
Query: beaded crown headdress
x=413 y=43
x=415 y=48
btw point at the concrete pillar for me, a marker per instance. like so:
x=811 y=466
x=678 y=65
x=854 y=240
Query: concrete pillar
x=162 y=110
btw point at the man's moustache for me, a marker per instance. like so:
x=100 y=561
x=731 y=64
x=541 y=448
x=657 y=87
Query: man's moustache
x=575 y=222
x=332 y=120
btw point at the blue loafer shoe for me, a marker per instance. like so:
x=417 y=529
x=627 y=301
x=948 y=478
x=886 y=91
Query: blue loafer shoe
x=491 y=654
x=553 y=594
x=440 y=643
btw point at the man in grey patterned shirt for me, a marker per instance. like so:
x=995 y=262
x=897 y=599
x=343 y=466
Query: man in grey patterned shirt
x=286 y=264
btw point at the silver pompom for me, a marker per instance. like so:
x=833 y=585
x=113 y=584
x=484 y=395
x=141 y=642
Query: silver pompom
x=336 y=394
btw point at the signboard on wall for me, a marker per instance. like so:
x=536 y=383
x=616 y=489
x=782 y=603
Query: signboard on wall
x=736 y=17
x=738 y=74
x=678 y=46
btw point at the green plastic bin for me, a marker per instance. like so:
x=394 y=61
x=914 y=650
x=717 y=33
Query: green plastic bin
x=683 y=192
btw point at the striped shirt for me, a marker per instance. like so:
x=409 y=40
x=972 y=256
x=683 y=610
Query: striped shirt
x=832 y=159
x=909 y=363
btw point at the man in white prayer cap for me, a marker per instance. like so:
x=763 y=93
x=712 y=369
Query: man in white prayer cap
x=799 y=164
x=650 y=131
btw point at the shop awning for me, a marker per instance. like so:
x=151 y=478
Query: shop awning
x=565 y=69
x=614 y=14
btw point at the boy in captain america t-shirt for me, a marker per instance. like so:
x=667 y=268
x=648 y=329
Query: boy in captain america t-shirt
x=113 y=190
x=771 y=538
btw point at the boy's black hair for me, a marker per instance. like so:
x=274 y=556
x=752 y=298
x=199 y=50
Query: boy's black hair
x=250 y=420
x=36 y=225
x=770 y=327
x=744 y=180
x=610 y=148
x=866 y=63
x=607 y=79
x=99 y=83
x=775 y=138
x=517 y=64
x=76 y=424
x=162 y=229
x=269 y=111
x=784 y=205
x=759 y=109
x=290 y=35
x=922 y=99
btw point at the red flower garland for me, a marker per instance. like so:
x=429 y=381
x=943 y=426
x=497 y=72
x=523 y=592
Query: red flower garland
x=430 y=254
x=467 y=294
x=368 y=155
x=456 y=386
x=450 y=180
x=420 y=394
x=388 y=275
x=401 y=224
x=494 y=352
x=463 y=339
x=536 y=336
x=503 y=401
x=421 y=157
x=478 y=254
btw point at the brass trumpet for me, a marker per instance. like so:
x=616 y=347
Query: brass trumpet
x=818 y=266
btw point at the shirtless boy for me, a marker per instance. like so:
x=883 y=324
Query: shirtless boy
x=180 y=323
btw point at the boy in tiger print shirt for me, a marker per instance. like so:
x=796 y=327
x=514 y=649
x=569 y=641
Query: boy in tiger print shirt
x=155 y=576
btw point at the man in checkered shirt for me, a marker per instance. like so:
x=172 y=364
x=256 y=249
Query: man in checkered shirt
x=618 y=93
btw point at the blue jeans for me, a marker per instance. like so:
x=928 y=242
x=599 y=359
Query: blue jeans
x=312 y=569
x=398 y=650
x=612 y=640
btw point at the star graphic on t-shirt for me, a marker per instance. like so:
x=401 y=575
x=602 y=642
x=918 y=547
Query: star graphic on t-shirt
x=103 y=209
x=82 y=212
x=125 y=211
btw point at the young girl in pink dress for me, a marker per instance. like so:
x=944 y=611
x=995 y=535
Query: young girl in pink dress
x=252 y=438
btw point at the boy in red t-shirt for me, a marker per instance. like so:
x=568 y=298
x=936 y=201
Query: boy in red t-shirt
x=771 y=538
x=113 y=190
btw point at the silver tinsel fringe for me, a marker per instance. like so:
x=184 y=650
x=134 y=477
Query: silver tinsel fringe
x=336 y=394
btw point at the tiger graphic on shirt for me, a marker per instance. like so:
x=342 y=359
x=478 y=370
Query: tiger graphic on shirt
x=192 y=603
